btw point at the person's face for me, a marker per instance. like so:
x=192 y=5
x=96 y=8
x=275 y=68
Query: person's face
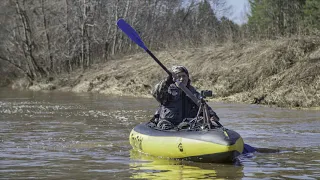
x=182 y=77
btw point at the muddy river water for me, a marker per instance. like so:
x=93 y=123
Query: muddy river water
x=57 y=135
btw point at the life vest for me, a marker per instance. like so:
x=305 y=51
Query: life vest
x=178 y=106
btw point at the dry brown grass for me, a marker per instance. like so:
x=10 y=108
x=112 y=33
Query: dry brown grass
x=284 y=72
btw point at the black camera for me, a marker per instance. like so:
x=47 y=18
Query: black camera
x=206 y=93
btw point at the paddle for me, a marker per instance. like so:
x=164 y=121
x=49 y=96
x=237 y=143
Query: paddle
x=250 y=149
x=134 y=36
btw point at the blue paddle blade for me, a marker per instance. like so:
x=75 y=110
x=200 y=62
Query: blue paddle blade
x=248 y=149
x=131 y=33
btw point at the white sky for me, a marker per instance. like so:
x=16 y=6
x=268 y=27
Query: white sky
x=239 y=10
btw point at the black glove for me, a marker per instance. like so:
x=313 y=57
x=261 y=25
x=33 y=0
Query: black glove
x=169 y=80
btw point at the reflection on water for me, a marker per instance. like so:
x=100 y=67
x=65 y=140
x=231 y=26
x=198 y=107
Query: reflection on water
x=147 y=167
x=54 y=135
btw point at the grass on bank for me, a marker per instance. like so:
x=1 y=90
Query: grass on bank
x=283 y=72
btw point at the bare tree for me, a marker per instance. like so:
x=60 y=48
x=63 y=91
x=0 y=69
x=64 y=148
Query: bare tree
x=51 y=37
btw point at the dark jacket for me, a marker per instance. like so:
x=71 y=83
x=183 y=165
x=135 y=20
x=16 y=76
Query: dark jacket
x=174 y=104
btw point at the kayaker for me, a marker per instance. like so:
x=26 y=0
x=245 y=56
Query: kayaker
x=175 y=106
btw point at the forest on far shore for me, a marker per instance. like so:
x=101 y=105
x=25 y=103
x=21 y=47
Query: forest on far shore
x=75 y=45
x=45 y=38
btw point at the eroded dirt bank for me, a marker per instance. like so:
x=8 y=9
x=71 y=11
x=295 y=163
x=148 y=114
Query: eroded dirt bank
x=284 y=73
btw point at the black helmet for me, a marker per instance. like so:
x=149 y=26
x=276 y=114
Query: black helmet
x=178 y=69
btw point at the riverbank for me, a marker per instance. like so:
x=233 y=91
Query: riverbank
x=284 y=73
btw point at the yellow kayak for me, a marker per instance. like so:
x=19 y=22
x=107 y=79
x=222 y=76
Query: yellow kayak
x=211 y=145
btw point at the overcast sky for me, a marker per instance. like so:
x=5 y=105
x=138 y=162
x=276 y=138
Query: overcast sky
x=239 y=9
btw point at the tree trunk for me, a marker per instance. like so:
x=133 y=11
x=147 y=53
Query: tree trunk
x=28 y=48
x=115 y=29
x=83 y=29
x=124 y=16
x=45 y=23
x=69 y=58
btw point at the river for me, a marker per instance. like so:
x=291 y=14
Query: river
x=62 y=135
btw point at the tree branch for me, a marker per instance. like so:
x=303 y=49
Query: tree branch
x=16 y=65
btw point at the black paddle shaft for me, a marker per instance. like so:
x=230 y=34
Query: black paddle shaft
x=157 y=61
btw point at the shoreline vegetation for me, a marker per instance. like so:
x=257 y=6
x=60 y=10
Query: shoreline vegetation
x=282 y=73
x=272 y=59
